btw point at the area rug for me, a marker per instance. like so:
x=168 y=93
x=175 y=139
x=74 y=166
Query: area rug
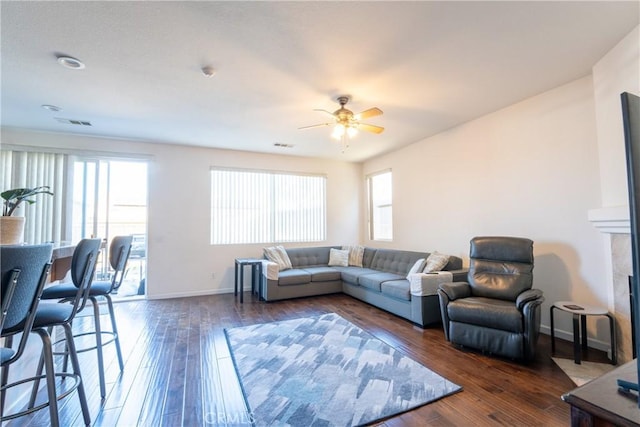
x=325 y=371
x=584 y=372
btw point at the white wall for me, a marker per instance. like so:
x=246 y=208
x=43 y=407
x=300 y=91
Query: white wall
x=618 y=71
x=528 y=170
x=181 y=262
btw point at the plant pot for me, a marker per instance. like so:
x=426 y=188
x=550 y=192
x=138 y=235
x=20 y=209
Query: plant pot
x=11 y=230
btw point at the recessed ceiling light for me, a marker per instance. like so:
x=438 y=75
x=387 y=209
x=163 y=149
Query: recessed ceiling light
x=51 y=107
x=69 y=62
x=208 y=71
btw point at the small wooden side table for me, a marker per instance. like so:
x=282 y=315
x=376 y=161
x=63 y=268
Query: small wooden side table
x=256 y=272
x=580 y=312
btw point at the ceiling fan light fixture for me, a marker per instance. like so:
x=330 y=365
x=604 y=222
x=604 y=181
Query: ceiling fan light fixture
x=352 y=131
x=338 y=131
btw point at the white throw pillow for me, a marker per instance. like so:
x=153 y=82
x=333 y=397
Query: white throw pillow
x=279 y=255
x=417 y=267
x=338 y=258
x=435 y=262
x=356 y=254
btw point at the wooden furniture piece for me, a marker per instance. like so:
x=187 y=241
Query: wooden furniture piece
x=580 y=312
x=256 y=272
x=600 y=403
x=61 y=260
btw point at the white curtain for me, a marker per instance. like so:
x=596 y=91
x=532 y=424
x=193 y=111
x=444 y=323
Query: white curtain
x=23 y=169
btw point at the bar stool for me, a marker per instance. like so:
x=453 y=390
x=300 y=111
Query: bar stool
x=25 y=269
x=50 y=315
x=119 y=250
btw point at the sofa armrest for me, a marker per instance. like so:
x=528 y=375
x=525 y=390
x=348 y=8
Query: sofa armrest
x=456 y=290
x=270 y=270
x=526 y=296
x=426 y=284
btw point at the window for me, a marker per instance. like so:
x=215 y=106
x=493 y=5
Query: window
x=380 y=191
x=249 y=206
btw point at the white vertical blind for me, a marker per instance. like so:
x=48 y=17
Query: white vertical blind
x=22 y=169
x=260 y=207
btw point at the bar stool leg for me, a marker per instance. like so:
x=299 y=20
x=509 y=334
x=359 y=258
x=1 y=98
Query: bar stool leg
x=96 y=321
x=73 y=355
x=4 y=378
x=114 y=328
x=47 y=359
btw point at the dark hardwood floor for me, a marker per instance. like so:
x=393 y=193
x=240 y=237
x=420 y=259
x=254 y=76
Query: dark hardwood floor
x=178 y=371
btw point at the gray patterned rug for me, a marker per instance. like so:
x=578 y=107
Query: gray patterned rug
x=325 y=371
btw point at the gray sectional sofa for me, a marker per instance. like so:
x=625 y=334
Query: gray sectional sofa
x=382 y=280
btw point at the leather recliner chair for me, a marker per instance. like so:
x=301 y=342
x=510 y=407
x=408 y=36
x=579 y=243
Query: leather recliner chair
x=495 y=311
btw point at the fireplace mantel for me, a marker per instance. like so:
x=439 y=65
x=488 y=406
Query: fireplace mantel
x=611 y=220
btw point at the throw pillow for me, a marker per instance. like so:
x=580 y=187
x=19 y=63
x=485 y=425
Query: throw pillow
x=338 y=258
x=356 y=254
x=435 y=262
x=417 y=267
x=279 y=255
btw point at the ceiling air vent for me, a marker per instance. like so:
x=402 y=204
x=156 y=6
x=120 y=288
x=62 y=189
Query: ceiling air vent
x=73 y=122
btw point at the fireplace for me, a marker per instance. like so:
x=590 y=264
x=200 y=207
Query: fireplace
x=615 y=223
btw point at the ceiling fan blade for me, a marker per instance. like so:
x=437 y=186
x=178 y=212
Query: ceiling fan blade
x=371 y=112
x=326 y=112
x=316 y=126
x=370 y=128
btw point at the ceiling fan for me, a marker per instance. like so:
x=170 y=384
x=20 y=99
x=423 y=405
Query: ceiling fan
x=346 y=122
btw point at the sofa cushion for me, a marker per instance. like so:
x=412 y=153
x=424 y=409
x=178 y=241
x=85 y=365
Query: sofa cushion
x=436 y=262
x=356 y=255
x=395 y=261
x=338 y=258
x=279 y=255
x=488 y=312
x=323 y=274
x=375 y=280
x=307 y=257
x=399 y=289
x=293 y=276
x=351 y=274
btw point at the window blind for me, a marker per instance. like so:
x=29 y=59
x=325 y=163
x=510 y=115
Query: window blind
x=261 y=207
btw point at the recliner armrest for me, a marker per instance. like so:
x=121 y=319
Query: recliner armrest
x=456 y=290
x=526 y=296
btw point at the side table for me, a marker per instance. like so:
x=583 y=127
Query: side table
x=256 y=272
x=580 y=312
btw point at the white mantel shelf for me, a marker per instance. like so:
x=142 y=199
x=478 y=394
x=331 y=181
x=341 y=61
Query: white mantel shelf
x=612 y=220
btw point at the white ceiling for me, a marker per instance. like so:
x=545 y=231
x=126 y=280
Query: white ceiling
x=428 y=65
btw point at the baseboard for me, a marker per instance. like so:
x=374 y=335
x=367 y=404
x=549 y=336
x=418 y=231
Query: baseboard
x=194 y=294
x=568 y=336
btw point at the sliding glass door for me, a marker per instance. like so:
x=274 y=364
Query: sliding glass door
x=109 y=198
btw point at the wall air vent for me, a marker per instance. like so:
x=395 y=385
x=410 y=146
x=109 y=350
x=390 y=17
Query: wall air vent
x=73 y=122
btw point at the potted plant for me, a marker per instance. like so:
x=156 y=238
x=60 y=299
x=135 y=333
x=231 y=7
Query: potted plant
x=12 y=227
